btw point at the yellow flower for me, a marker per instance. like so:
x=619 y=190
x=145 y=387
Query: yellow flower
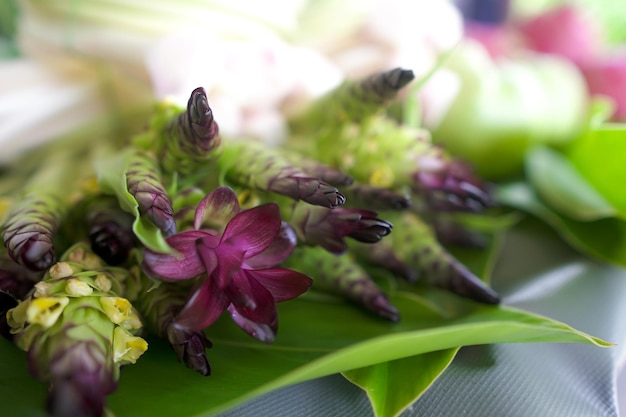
x=120 y=311
x=46 y=310
x=126 y=347
x=77 y=288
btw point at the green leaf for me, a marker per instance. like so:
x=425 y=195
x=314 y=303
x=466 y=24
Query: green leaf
x=393 y=386
x=599 y=157
x=563 y=187
x=603 y=239
x=111 y=173
x=313 y=341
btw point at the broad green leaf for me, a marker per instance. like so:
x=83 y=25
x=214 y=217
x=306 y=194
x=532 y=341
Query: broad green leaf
x=603 y=239
x=314 y=340
x=599 y=157
x=112 y=179
x=563 y=187
x=393 y=386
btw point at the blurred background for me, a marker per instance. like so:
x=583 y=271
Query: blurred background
x=494 y=76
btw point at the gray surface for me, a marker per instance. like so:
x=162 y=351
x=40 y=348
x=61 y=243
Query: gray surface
x=513 y=380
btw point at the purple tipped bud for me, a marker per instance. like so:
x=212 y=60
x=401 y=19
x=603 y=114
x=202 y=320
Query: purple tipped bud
x=451 y=186
x=329 y=227
x=204 y=131
x=190 y=348
x=143 y=180
x=29 y=229
x=311 y=190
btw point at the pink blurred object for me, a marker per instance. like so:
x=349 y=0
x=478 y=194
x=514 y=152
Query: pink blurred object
x=607 y=76
x=566 y=30
x=499 y=40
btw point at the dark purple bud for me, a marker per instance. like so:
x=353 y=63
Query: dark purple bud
x=190 y=348
x=111 y=235
x=329 y=227
x=451 y=186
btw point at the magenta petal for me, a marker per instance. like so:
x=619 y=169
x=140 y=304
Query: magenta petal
x=259 y=305
x=280 y=249
x=240 y=291
x=263 y=332
x=184 y=265
x=284 y=284
x=230 y=262
x=253 y=230
x=218 y=207
x=205 y=306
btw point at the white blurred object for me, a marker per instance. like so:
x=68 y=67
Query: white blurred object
x=37 y=105
x=247 y=82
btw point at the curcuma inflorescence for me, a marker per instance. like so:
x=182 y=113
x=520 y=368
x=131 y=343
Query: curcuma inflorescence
x=181 y=226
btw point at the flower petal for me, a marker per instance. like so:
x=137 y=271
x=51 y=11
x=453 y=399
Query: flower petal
x=251 y=299
x=230 y=260
x=253 y=230
x=263 y=332
x=217 y=208
x=284 y=284
x=279 y=250
x=184 y=265
x=204 y=306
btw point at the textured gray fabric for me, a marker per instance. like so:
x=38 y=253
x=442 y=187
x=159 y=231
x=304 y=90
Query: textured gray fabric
x=512 y=380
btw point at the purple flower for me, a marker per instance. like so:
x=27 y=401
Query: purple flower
x=237 y=264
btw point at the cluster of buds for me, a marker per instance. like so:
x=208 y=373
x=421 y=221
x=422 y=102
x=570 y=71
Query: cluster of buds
x=169 y=234
x=78 y=332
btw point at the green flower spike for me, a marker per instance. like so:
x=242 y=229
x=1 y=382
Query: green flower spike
x=184 y=140
x=252 y=164
x=414 y=244
x=343 y=276
x=35 y=215
x=143 y=179
x=355 y=100
x=78 y=332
